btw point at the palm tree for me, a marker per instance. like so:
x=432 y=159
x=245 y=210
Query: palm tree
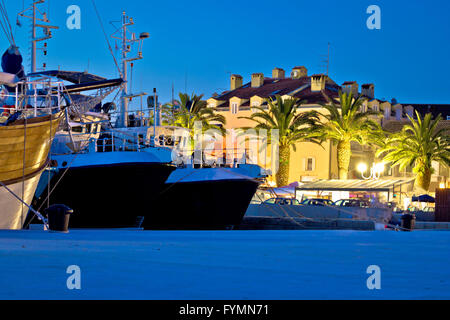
x=345 y=123
x=192 y=109
x=418 y=145
x=292 y=125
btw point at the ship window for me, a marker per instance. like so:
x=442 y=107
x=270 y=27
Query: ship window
x=78 y=129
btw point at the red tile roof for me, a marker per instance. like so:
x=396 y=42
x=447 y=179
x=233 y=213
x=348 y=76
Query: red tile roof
x=299 y=88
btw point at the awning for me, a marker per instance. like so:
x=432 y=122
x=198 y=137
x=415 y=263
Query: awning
x=286 y=190
x=87 y=86
x=423 y=198
x=71 y=76
x=380 y=185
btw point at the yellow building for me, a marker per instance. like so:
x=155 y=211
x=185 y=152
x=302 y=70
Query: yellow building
x=309 y=161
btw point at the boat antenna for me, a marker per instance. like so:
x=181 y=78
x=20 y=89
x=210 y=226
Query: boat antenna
x=173 y=99
x=121 y=34
x=326 y=61
x=39 y=19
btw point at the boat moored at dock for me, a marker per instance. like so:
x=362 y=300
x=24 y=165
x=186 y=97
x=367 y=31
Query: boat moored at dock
x=198 y=196
x=105 y=186
x=26 y=133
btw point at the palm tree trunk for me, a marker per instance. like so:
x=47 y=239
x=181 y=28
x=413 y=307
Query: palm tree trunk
x=282 y=175
x=423 y=178
x=344 y=153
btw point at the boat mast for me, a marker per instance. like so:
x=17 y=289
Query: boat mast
x=126 y=21
x=33 y=41
x=124 y=101
x=32 y=13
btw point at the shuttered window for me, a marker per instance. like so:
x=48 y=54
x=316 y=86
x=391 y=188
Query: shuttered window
x=234 y=108
x=310 y=164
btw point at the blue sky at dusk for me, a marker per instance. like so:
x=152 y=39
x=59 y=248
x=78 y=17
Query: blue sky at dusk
x=197 y=44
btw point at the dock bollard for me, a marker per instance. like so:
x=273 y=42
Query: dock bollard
x=58 y=216
x=408 y=221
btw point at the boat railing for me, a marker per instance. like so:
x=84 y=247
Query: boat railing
x=114 y=141
x=106 y=141
x=212 y=157
x=208 y=154
x=32 y=99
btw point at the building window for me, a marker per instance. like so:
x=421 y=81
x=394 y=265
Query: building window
x=234 y=108
x=310 y=164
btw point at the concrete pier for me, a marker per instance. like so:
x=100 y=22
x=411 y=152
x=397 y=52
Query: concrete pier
x=289 y=223
x=426 y=225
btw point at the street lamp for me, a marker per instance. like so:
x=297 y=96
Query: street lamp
x=375 y=171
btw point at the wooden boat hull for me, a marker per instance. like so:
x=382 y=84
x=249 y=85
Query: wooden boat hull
x=24 y=148
x=12 y=211
x=32 y=139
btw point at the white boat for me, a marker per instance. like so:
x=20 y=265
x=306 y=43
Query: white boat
x=204 y=195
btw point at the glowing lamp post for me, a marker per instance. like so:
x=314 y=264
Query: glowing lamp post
x=375 y=171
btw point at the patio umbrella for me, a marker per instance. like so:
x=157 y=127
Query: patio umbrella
x=423 y=198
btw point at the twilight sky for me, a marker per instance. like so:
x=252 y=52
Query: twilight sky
x=197 y=44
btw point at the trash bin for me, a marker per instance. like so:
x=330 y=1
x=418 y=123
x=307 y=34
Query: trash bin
x=58 y=216
x=408 y=221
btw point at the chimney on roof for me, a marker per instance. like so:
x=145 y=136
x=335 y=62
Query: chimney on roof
x=350 y=86
x=368 y=90
x=235 y=81
x=278 y=73
x=299 y=72
x=398 y=111
x=386 y=107
x=409 y=110
x=257 y=80
x=318 y=82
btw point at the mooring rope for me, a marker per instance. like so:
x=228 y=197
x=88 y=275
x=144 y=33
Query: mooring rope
x=36 y=213
x=23 y=166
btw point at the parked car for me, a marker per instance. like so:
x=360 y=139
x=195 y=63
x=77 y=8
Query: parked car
x=283 y=201
x=317 y=202
x=361 y=203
